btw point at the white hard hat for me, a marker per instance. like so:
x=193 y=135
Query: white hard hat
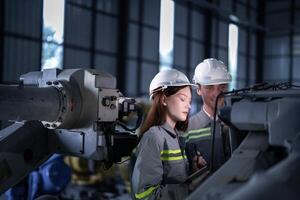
x=167 y=78
x=211 y=72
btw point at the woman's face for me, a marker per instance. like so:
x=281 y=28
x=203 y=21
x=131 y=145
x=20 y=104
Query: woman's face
x=178 y=105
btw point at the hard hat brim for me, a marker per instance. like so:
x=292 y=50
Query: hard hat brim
x=215 y=83
x=193 y=86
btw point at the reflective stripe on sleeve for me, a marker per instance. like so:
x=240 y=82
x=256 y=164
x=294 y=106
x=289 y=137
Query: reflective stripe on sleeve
x=173 y=158
x=171 y=151
x=146 y=193
x=171 y=155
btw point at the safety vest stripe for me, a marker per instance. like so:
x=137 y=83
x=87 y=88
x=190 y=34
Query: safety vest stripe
x=173 y=158
x=201 y=130
x=171 y=155
x=197 y=136
x=146 y=193
x=170 y=151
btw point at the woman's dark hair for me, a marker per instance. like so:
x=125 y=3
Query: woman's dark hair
x=157 y=113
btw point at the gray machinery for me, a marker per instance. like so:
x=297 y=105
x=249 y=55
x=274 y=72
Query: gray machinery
x=70 y=112
x=265 y=143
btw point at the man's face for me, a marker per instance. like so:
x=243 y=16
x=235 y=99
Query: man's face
x=209 y=94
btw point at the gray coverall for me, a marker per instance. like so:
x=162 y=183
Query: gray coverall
x=161 y=166
x=198 y=138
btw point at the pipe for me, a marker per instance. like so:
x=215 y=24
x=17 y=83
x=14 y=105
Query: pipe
x=29 y=103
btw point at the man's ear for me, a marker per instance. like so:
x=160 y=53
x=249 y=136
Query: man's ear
x=199 y=90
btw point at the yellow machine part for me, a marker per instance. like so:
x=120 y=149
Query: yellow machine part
x=82 y=174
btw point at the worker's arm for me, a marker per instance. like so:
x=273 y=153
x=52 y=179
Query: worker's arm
x=148 y=170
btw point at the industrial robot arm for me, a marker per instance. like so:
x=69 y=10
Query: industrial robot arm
x=70 y=112
x=261 y=162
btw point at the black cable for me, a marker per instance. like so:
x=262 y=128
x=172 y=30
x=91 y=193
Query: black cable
x=139 y=120
x=212 y=147
x=296 y=86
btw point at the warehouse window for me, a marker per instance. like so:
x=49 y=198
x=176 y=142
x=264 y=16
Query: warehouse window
x=232 y=56
x=53 y=31
x=166 y=35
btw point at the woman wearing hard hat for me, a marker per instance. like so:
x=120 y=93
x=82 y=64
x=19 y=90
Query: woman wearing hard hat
x=161 y=166
x=212 y=78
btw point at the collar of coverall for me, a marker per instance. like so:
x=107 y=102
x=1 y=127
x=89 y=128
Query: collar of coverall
x=170 y=130
x=208 y=115
x=206 y=120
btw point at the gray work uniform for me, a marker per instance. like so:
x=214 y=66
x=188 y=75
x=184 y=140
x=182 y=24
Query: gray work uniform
x=161 y=166
x=198 y=138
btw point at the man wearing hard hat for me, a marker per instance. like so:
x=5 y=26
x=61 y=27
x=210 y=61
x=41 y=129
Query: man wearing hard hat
x=212 y=78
